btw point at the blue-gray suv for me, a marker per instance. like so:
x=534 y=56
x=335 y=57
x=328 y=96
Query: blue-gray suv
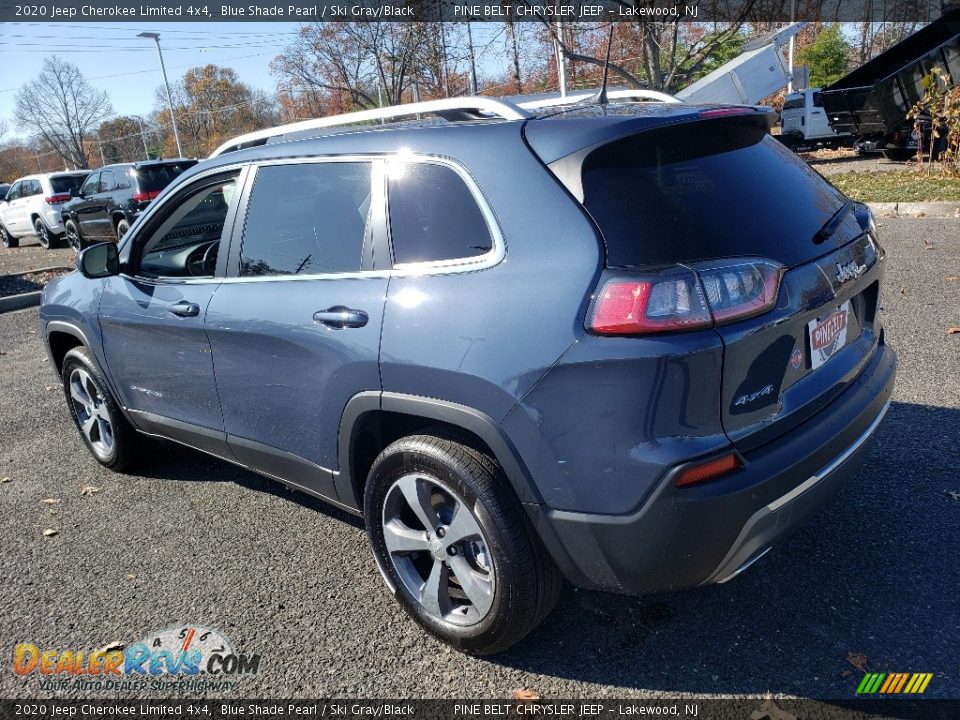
x=629 y=344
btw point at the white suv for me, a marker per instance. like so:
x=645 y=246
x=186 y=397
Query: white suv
x=33 y=204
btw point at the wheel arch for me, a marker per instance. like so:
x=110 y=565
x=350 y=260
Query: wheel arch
x=372 y=420
x=62 y=338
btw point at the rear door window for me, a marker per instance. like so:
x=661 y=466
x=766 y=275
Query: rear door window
x=308 y=218
x=433 y=215
x=89 y=186
x=106 y=181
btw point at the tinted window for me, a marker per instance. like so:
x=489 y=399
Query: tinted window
x=308 y=218
x=157 y=177
x=14 y=192
x=31 y=188
x=433 y=215
x=817 y=100
x=3 y=190
x=65 y=183
x=722 y=190
x=121 y=179
x=106 y=181
x=795 y=104
x=89 y=187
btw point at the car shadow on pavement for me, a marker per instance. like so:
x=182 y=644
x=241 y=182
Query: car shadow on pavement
x=873 y=574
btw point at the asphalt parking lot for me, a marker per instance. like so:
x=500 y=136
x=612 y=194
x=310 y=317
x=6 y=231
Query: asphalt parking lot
x=195 y=540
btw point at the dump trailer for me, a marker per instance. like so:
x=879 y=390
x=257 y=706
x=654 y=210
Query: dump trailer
x=758 y=72
x=873 y=101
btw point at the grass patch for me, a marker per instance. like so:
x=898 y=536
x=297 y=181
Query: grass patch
x=904 y=186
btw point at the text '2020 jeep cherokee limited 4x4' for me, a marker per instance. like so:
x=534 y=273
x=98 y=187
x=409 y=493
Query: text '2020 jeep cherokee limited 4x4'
x=628 y=344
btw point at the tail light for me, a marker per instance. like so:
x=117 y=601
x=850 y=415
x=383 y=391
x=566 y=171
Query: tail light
x=709 y=470
x=57 y=199
x=685 y=297
x=145 y=196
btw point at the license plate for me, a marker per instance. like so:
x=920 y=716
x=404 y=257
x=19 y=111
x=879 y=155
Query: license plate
x=827 y=335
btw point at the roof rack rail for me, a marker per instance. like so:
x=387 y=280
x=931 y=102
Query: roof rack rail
x=580 y=96
x=459 y=108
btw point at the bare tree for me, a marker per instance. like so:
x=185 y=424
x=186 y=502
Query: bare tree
x=62 y=108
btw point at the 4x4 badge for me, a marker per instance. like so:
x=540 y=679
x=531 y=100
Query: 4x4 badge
x=849 y=271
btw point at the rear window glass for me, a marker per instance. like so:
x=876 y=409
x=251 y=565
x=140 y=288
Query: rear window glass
x=157 y=177
x=66 y=183
x=705 y=190
x=433 y=215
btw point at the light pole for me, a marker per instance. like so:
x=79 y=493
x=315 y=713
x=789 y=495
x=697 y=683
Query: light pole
x=163 y=69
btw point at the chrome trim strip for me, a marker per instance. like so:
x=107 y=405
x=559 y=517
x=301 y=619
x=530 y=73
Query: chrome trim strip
x=743 y=567
x=833 y=465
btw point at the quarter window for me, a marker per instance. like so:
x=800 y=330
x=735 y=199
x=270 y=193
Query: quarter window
x=306 y=218
x=433 y=215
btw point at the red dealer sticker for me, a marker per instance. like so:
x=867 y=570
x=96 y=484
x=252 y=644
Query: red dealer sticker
x=828 y=335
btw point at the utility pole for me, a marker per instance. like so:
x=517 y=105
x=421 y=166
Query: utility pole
x=39 y=166
x=103 y=160
x=143 y=139
x=561 y=61
x=473 y=64
x=163 y=69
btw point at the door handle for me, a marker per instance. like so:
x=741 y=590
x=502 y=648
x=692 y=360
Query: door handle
x=341 y=317
x=185 y=309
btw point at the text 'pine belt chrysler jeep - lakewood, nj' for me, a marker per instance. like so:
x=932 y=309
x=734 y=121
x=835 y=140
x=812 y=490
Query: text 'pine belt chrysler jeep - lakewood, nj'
x=630 y=343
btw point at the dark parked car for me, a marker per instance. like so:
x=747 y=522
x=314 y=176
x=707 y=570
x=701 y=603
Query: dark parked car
x=113 y=197
x=632 y=345
x=3 y=190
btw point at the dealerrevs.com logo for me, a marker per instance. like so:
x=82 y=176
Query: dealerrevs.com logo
x=187 y=658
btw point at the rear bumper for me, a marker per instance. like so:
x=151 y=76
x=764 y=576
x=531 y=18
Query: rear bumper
x=707 y=534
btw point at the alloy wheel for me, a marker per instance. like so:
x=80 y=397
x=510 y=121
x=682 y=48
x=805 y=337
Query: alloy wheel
x=91 y=412
x=438 y=550
x=73 y=237
x=43 y=235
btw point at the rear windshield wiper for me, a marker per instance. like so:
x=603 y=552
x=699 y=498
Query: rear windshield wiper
x=831 y=225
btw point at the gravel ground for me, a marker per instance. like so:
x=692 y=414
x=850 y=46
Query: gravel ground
x=830 y=163
x=194 y=540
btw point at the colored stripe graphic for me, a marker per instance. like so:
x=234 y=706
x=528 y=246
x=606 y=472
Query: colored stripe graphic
x=894 y=683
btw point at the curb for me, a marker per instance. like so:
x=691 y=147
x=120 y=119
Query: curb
x=27 y=299
x=916 y=209
x=18 y=302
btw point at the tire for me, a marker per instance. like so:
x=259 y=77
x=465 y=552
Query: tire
x=74 y=236
x=6 y=239
x=111 y=440
x=47 y=239
x=511 y=583
x=121 y=228
x=898 y=154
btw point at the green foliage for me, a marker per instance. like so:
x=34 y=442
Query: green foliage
x=827 y=57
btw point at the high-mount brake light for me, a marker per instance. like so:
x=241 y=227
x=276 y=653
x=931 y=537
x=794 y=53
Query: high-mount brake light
x=685 y=297
x=725 y=112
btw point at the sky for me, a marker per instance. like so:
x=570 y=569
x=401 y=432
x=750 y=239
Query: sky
x=113 y=58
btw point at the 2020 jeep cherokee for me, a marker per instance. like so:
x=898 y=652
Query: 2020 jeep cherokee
x=632 y=344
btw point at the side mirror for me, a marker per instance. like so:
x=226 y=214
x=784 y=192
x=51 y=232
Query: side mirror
x=99 y=261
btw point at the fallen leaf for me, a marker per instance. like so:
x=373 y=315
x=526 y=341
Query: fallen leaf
x=110 y=647
x=131 y=576
x=951 y=493
x=52 y=387
x=89 y=490
x=50 y=532
x=4 y=480
x=846 y=673
x=53 y=512
x=927 y=245
x=858 y=660
x=526 y=695
x=953 y=278
x=50 y=501
x=953 y=330
x=903 y=291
